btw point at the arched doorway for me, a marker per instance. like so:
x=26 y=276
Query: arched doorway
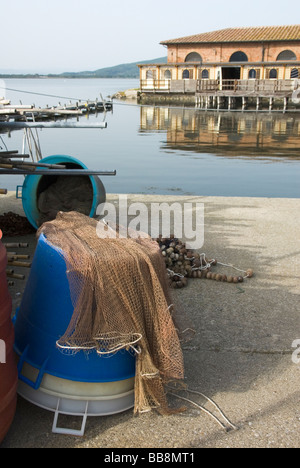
x=286 y=55
x=238 y=56
x=193 y=57
x=231 y=73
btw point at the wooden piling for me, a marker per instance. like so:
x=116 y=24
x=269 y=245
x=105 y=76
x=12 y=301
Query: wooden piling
x=16 y=245
x=18 y=264
x=243 y=103
x=15 y=276
x=270 y=104
x=257 y=103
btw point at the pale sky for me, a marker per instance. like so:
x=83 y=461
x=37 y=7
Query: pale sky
x=76 y=35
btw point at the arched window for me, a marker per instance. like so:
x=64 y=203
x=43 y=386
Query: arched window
x=252 y=73
x=287 y=55
x=149 y=75
x=185 y=74
x=205 y=74
x=294 y=73
x=193 y=57
x=273 y=73
x=167 y=75
x=238 y=57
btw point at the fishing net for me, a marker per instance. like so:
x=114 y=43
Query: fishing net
x=120 y=293
x=65 y=194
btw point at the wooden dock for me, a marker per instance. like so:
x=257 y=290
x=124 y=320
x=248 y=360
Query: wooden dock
x=30 y=113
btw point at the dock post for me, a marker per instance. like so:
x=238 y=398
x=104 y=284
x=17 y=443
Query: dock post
x=229 y=103
x=243 y=103
x=257 y=103
x=284 y=104
x=270 y=104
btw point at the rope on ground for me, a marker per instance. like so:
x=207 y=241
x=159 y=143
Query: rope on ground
x=227 y=427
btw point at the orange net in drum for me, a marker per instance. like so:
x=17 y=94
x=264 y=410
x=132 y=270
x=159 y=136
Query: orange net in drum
x=120 y=293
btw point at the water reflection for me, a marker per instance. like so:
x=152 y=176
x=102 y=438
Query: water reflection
x=250 y=135
x=169 y=151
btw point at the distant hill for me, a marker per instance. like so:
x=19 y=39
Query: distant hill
x=125 y=70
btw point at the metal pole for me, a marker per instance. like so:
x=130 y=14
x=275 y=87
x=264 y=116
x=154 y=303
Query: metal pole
x=52 y=125
x=57 y=172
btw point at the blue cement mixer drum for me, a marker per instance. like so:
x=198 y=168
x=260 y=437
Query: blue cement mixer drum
x=75 y=384
x=33 y=184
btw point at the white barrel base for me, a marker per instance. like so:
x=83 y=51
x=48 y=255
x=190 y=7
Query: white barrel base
x=81 y=399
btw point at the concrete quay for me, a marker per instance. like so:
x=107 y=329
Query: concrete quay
x=238 y=348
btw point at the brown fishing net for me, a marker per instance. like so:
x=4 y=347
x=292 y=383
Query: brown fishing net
x=120 y=294
x=67 y=193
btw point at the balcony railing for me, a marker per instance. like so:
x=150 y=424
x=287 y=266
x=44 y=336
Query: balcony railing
x=155 y=85
x=253 y=86
x=271 y=86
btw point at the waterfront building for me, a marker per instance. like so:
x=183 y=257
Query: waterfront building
x=256 y=61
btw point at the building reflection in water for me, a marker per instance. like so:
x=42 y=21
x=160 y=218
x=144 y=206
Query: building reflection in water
x=229 y=134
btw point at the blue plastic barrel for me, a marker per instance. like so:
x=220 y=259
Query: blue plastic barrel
x=43 y=317
x=33 y=184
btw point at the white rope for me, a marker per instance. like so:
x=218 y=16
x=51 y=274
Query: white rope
x=172 y=273
x=206 y=265
x=215 y=405
x=209 y=413
x=201 y=408
x=232 y=266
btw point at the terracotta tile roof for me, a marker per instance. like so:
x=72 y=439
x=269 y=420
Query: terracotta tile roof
x=261 y=33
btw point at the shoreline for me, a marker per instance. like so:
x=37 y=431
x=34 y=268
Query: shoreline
x=11 y=201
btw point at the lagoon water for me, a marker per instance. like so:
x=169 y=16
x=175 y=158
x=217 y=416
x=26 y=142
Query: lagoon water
x=168 y=149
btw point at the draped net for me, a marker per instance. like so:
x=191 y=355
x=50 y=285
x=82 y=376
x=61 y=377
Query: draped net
x=120 y=294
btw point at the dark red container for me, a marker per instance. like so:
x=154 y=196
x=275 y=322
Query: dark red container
x=8 y=366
